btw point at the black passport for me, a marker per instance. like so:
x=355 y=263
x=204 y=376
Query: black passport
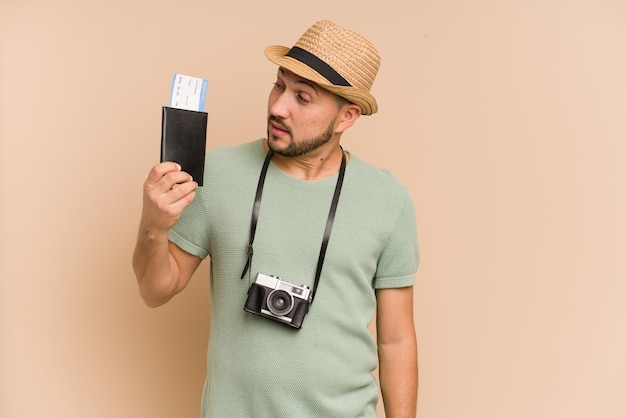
x=183 y=140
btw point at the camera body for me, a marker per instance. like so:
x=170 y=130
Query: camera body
x=277 y=299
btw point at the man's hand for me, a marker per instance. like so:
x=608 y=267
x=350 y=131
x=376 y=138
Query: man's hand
x=166 y=193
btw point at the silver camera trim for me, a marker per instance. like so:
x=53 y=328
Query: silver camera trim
x=276 y=283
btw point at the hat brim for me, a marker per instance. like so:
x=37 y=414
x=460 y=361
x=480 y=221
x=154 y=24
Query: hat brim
x=364 y=99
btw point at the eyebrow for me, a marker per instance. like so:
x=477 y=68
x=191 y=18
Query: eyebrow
x=301 y=80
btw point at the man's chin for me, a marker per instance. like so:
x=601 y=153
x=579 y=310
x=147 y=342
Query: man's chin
x=277 y=144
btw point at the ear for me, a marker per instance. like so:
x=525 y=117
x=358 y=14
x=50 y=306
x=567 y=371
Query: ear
x=348 y=115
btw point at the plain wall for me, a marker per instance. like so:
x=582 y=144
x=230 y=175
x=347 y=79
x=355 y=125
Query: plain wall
x=506 y=119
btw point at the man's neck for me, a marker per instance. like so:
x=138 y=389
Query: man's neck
x=318 y=165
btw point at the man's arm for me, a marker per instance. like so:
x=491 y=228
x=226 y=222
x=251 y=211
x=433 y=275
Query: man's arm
x=397 y=351
x=163 y=269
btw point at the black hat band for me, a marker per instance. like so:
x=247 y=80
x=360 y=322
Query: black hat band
x=318 y=65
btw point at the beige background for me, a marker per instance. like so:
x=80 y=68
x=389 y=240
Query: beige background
x=506 y=119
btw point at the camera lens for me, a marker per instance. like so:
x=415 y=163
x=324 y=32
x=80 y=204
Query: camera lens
x=279 y=302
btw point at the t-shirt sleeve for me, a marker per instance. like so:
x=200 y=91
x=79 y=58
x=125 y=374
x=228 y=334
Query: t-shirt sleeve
x=399 y=260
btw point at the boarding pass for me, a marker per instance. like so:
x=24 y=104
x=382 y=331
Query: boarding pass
x=188 y=92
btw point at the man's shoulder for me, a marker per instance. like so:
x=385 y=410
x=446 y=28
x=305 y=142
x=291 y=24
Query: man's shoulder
x=373 y=177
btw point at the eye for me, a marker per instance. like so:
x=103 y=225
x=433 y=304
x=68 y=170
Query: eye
x=303 y=99
x=279 y=86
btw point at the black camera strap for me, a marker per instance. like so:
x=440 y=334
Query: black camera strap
x=329 y=222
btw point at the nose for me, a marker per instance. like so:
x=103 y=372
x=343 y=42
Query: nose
x=278 y=104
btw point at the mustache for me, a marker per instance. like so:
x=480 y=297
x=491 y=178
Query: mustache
x=278 y=121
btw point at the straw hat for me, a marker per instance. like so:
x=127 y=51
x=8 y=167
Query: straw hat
x=336 y=58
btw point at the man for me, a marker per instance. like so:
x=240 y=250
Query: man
x=294 y=207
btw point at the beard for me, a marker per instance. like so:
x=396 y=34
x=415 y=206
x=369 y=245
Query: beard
x=298 y=149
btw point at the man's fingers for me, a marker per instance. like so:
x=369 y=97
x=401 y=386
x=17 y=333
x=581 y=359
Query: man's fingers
x=182 y=190
x=173 y=179
x=161 y=169
x=166 y=185
x=168 y=192
x=165 y=176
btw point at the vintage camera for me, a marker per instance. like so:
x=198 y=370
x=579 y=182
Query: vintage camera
x=274 y=298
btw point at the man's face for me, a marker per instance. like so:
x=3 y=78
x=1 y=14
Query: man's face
x=301 y=115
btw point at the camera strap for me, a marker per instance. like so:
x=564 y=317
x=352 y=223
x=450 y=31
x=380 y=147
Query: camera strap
x=329 y=222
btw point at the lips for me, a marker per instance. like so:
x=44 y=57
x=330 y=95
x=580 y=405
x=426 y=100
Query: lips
x=278 y=128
